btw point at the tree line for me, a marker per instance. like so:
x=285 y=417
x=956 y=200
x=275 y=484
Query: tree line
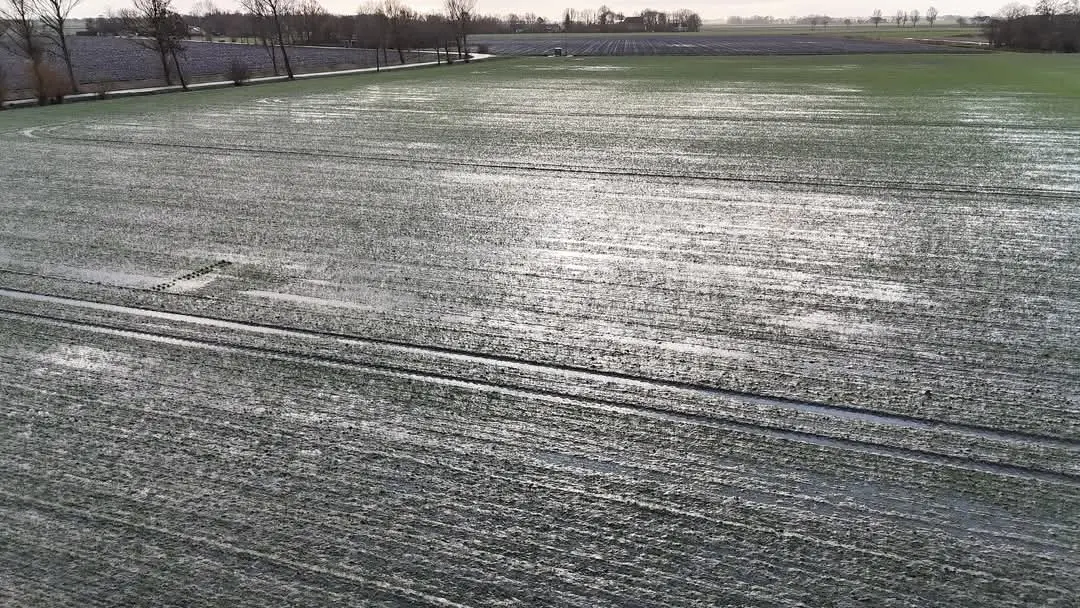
x=34 y=31
x=1051 y=25
x=901 y=18
x=604 y=20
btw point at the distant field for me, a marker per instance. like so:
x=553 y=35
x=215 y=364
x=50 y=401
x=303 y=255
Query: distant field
x=834 y=30
x=121 y=62
x=695 y=44
x=837 y=28
x=594 y=332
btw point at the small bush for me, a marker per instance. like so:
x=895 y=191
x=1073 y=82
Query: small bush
x=50 y=84
x=238 y=72
x=483 y=49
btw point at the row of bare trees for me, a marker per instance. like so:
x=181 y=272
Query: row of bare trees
x=162 y=30
x=34 y=30
x=605 y=19
x=901 y=18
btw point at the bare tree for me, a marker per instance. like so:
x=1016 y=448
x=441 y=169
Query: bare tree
x=900 y=18
x=264 y=34
x=459 y=12
x=274 y=12
x=931 y=16
x=914 y=17
x=3 y=77
x=876 y=17
x=203 y=10
x=1050 y=8
x=311 y=21
x=24 y=39
x=164 y=30
x=398 y=21
x=53 y=15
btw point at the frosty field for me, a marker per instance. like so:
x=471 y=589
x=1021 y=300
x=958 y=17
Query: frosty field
x=580 y=332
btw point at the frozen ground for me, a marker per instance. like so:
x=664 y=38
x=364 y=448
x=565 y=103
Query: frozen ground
x=586 y=333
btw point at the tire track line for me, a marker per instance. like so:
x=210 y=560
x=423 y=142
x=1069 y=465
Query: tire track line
x=761 y=429
x=844 y=412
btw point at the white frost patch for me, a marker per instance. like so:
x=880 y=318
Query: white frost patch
x=600 y=68
x=824 y=321
x=685 y=347
x=581 y=68
x=192 y=284
x=310 y=417
x=288 y=297
x=881 y=292
x=88 y=358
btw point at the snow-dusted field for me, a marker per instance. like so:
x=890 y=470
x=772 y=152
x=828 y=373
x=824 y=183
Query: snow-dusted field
x=581 y=333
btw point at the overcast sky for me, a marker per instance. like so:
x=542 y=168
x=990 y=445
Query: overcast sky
x=707 y=10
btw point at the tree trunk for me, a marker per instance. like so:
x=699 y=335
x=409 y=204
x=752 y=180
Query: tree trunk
x=272 y=51
x=67 y=60
x=165 y=65
x=401 y=55
x=281 y=43
x=39 y=82
x=179 y=72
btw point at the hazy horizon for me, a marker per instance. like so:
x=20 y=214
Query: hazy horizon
x=707 y=10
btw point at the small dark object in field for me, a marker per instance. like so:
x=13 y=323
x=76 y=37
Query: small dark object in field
x=483 y=49
x=238 y=72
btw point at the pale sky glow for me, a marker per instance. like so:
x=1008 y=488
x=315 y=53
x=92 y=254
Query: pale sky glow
x=707 y=10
